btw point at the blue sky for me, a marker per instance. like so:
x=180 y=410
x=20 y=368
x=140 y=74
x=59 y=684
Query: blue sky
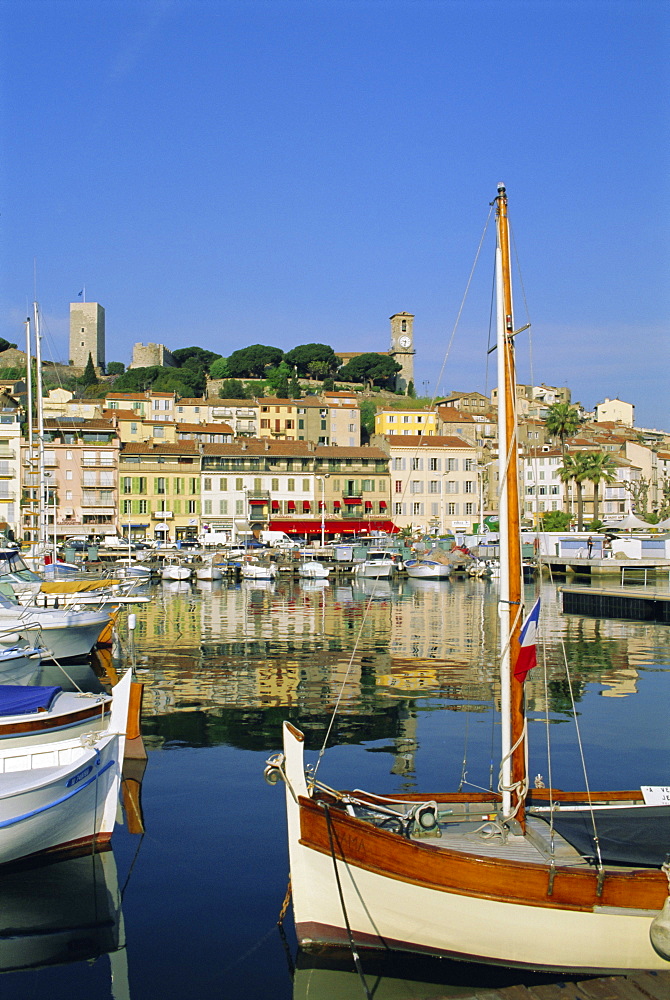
x=231 y=173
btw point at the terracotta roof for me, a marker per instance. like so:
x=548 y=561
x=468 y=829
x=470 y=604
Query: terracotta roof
x=426 y=441
x=300 y=449
x=211 y=428
x=449 y=414
x=156 y=448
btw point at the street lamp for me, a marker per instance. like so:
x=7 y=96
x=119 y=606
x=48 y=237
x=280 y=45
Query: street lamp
x=322 y=479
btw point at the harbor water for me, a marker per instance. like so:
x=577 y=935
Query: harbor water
x=189 y=908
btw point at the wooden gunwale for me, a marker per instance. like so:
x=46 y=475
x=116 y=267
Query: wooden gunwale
x=391 y=856
x=535 y=796
x=43 y=722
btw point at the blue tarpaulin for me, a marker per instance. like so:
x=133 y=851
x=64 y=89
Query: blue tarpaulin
x=16 y=700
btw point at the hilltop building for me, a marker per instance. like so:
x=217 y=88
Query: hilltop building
x=87 y=334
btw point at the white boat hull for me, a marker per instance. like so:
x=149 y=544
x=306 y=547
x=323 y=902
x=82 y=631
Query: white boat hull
x=427 y=570
x=314 y=571
x=176 y=573
x=385 y=911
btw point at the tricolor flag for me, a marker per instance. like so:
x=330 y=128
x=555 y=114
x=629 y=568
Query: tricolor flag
x=527 y=653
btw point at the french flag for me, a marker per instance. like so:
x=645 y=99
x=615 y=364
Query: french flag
x=527 y=657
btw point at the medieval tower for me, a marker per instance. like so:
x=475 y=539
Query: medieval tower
x=402 y=347
x=87 y=334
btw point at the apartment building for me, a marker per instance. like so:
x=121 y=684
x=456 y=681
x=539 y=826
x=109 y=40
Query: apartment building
x=294 y=486
x=542 y=489
x=406 y=423
x=80 y=459
x=434 y=483
x=159 y=490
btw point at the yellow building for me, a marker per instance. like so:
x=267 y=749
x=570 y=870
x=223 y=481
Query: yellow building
x=405 y=422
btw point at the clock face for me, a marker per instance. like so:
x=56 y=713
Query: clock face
x=404 y=341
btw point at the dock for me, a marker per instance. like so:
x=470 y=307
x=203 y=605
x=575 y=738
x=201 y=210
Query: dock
x=635 y=986
x=572 y=565
x=628 y=603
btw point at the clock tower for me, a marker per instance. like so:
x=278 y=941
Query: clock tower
x=402 y=347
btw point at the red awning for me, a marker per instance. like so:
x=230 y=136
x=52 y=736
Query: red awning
x=353 y=501
x=291 y=505
x=368 y=504
x=336 y=504
x=257 y=503
x=332 y=526
x=275 y=504
x=382 y=504
x=322 y=505
x=306 y=505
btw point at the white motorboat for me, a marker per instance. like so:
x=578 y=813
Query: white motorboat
x=65 y=633
x=175 y=569
x=19 y=662
x=379 y=564
x=63 y=795
x=258 y=570
x=312 y=569
x=209 y=568
x=38 y=714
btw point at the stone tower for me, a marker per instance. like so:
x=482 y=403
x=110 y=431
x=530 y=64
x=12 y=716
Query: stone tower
x=87 y=334
x=402 y=347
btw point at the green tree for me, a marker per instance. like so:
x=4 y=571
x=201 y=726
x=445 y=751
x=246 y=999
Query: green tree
x=410 y=390
x=89 y=377
x=562 y=421
x=278 y=376
x=368 y=409
x=555 y=520
x=306 y=354
x=196 y=358
x=575 y=469
x=219 y=368
x=232 y=388
x=377 y=369
x=253 y=361
x=328 y=385
x=115 y=368
x=5 y=345
x=601 y=469
x=295 y=388
x=137 y=379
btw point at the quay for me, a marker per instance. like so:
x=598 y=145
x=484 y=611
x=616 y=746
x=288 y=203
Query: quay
x=572 y=565
x=636 y=986
x=629 y=603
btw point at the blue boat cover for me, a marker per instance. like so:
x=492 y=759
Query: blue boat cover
x=17 y=700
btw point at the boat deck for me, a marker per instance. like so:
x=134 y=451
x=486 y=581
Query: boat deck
x=533 y=848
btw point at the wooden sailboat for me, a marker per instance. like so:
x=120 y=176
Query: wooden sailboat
x=530 y=878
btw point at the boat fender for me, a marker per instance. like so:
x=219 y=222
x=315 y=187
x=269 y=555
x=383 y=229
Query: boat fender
x=659 y=932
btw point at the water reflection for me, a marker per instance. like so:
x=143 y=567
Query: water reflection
x=60 y=912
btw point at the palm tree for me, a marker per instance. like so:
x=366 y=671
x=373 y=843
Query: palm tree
x=576 y=467
x=601 y=469
x=562 y=420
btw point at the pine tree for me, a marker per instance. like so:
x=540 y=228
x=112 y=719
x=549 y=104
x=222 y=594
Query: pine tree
x=89 y=377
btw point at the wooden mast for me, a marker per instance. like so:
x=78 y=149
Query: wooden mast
x=508 y=449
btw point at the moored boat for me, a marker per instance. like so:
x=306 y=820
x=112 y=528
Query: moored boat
x=534 y=879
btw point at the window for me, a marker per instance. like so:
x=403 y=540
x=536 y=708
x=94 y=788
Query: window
x=223 y=485
x=68 y=473
x=133 y=428
x=435 y=465
x=469 y=486
x=397 y=508
x=324 y=425
x=452 y=465
x=301 y=425
x=417 y=508
x=417 y=464
x=451 y=486
x=127 y=507
x=469 y=508
x=159 y=432
x=405 y=420
x=194 y=485
x=275 y=484
x=143 y=506
x=239 y=507
x=207 y=485
x=239 y=484
x=126 y=485
x=398 y=485
x=290 y=485
x=179 y=486
x=207 y=507
x=468 y=464
x=68 y=455
x=398 y=464
x=289 y=425
x=223 y=506
x=68 y=495
x=452 y=508
x=434 y=486
x=265 y=425
x=159 y=485
x=192 y=506
x=416 y=486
